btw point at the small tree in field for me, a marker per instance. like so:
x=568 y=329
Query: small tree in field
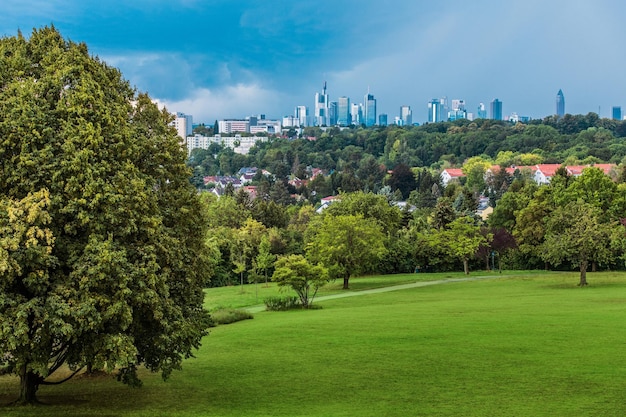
x=297 y=273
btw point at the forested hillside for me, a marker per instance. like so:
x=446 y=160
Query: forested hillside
x=486 y=218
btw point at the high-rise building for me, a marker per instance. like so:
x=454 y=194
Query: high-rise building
x=183 y=124
x=343 y=112
x=435 y=110
x=458 y=110
x=382 y=119
x=560 y=104
x=302 y=115
x=458 y=104
x=496 y=109
x=617 y=112
x=332 y=113
x=370 y=110
x=482 y=111
x=321 y=108
x=406 y=115
x=356 y=114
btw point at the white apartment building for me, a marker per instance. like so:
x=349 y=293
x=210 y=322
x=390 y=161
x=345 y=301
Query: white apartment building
x=183 y=124
x=237 y=143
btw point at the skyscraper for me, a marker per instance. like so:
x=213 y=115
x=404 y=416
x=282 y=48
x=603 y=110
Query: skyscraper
x=496 y=109
x=370 y=110
x=406 y=115
x=434 y=111
x=356 y=114
x=321 y=108
x=332 y=113
x=458 y=110
x=482 y=111
x=382 y=120
x=617 y=113
x=560 y=104
x=302 y=115
x=343 y=112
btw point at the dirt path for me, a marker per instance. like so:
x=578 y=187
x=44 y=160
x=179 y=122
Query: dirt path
x=259 y=308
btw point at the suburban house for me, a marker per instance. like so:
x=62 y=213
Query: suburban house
x=327 y=201
x=451 y=174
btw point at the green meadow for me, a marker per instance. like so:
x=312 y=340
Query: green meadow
x=523 y=344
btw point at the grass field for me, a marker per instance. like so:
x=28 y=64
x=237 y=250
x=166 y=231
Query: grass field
x=524 y=345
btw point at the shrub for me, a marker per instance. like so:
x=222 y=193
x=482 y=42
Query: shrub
x=229 y=315
x=282 y=303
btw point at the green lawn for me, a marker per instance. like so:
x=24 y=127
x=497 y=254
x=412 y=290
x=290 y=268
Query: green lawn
x=254 y=294
x=528 y=345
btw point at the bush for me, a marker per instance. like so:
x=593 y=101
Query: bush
x=229 y=315
x=282 y=303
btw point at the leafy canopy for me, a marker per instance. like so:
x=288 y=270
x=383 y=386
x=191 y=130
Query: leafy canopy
x=102 y=253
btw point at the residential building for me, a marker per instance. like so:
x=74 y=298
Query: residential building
x=239 y=144
x=560 y=104
x=496 y=109
x=370 y=110
x=451 y=174
x=183 y=123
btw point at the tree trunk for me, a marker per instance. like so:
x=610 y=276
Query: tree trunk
x=29 y=384
x=594 y=266
x=466 y=266
x=583 y=274
x=345 y=282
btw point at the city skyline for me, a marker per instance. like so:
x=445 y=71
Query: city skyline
x=223 y=59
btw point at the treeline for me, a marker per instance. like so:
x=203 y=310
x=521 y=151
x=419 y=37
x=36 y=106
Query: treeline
x=363 y=155
x=572 y=222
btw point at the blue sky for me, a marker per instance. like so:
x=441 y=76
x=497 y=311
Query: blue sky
x=229 y=59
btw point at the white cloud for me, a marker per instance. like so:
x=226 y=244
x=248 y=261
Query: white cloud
x=235 y=101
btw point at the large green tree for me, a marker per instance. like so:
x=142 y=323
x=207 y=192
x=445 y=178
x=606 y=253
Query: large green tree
x=102 y=257
x=462 y=239
x=347 y=245
x=576 y=234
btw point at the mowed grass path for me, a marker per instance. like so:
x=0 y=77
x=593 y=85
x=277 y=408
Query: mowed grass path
x=530 y=345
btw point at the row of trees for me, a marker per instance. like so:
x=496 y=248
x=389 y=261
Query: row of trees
x=573 y=221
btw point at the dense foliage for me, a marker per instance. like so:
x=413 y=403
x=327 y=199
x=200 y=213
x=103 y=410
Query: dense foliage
x=101 y=235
